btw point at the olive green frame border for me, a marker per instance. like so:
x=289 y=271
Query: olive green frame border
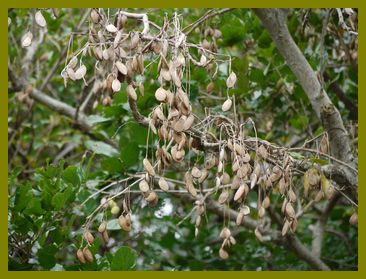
x=165 y=4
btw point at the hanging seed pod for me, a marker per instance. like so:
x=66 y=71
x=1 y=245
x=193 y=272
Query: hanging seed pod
x=225 y=178
x=135 y=39
x=210 y=87
x=111 y=28
x=27 y=39
x=353 y=220
x=148 y=167
x=245 y=209
x=198 y=221
x=196 y=173
x=189 y=184
x=232 y=240
x=261 y=212
x=105 y=237
x=258 y=234
x=239 y=218
x=289 y=210
x=189 y=122
x=217 y=33
x=95 y=16
x=88 y=255
x=102 y=227
x=88 y=237
x=266 y=202
x=152 y=196
x=116 y=85
x=121 y=67
x=239 y=193
x=80 y=256
x=179 y=125
x=70 y=73
x=98 y=53
x=80 y=73
x=225 y=233
x=124 y=224
x=160 y=94
x=204 y=175
x=319 y=196
x=73 y=62
x=223 y=254
x=105 y=54
x=253 y=180
x=262 y=152
x=227 y=105
x=285 y=228
x=231 y=80
x=40 y=20
x=293 y=226
x=131 y=92
x=159 y=113
x=163 y=184
x=144 y=186
x=223 y=197
x=291 y=195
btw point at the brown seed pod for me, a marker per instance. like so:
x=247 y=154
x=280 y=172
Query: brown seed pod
x=189 y=122
x=210 y=87
x=232 y=240
x=262 y=152
x=227 y=105
x=225 y=178
x=148 y=167
x=293 y=225
x=198 y=221
x=111 y=28
x=223 y=197
x=163 y=184
x=144 y=186
x=239 y=218
x=239 y=193
x=179 y=125
x=98 y=53
x=188 y=179
x=105 y=237
x=152 y=196
x=102 y=227
x=88 y=237
x=95 y=16
x=258 y=234
x=131 y=92
x=225 y=233
x=290 y=211
x=135 y=39
x=196 y=173
x=353 y=220
x=261 y=212
x=80 y=256
x=124 y=224
x=88 y=255
x=291 y=195
x=204 y=175
x=285 y=227
x=266 y=202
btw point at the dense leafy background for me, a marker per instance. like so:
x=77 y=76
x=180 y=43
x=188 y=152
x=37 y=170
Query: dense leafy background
x=46 y=191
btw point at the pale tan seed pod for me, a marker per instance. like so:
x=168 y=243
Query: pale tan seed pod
x=175 y=78
x=232 y=240
x=291 y=195
x=116 y=85
x=131 y=92
x=253 y=180
x=227 y=105
x=102 y=227
x=121 y=67
x=239 y=193
x=144 y=186
x=353 y=220
x=290 y=211
x=245 y=209
x=189 y=184
x=285 y=227
x=80 y=73
x=246 y=158
x=151 y=196
x=225 y=233
x=204 y=175
x=111 y=28
x=258 y=234
x=293 y=226
x=266 y=202
x=159 y=113
x=98 y=53
x=223 y=197
x=105 y=237
x=239 y=149
x=124 y=224
x=217 y=182
x=160 y=94
x=261 y=212
x=223 y=254
x=88 y=255
x=319 y=196
x=80 y=256
x=231 y=80
x=262 y=152
x=198 y=221
x=70 y=73
x=239 y=218
x=163 y=184
x=189 y=122
x=179 y=125
x=135 y=39
x=225 y=178
x=105 y=54
x=148 y=167
x=27 y=39
x=196 y=173
x=88 y=237
x=73 y=62
x=40 y=20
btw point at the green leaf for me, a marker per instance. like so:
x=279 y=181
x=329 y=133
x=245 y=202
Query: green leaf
x=124 y=259
x=34 y=207
x=113 y=225
x=102 y=148
x=46 y=256
x=58 y=201
x=71 y=175
x=95 y=119
x=23 y=195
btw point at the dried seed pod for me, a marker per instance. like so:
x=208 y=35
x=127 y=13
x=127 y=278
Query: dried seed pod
x=353 y=220
x=225 y=178
x=124 y=224
x=239 y=193
x=144 y=186
x=105 y=237
x=227 y=105
x=152 y=196
x=80 y=73
x=223 y=254
x=102 y=227
x=319 y=195
x=245 y=209
x=148 y=167
x=163 y=184
x=261 y=211
x=225 y=233
x=27 y=39
x=293 y=226
x=135 y=39
x=189 y=184
x=266 y=202
x=239 y=218
x=179 y=125
x=88 y=237
x=160 y=94
x=258 y=234
x=204 y=175
x=285 y=227
x=290 y=211
x=253 y=180
x=291 y=195
x=121 y=67
x=189 y=122
x=116 y=85
x=111 y=28
x=95 y=16
x=262 y=152
x=40 y=20
x=231 y=80
x=73 y=62
x=80 y=256
x=196 y=173
x=88 y=255
x=232 y=240
x=210 y=87
x=198 y=221
x=223 y=197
